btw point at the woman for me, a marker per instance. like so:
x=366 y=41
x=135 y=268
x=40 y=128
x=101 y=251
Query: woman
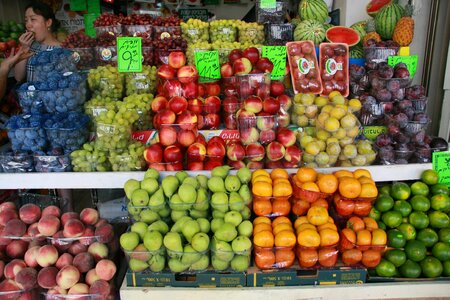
x=40 y=23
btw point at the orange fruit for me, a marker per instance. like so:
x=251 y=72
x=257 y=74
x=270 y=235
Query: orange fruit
x=330 y=220
x=262 y=189
x=363 y=238
x=379 y=237
x=308 y=238
x=279 y=173
x=305 y=226
x=264 y=259
x=281 y=220
x=328 y=183
x=327 y=226
x=285 y=238
x=348 y=238
x=320 y=202
x=317 y=215
x=349 y=187
x=260 y=172
x=343 y=173
x=300 y=207
x=368 y=190
x=310 y=186
x=371 y=258
x=299 y=221
x=263 y=239
x=282 y=189
x=281 y=227
x=351 y=257
x=280 y=180
x=328 y=237
x=284 y=258
x=364 y=179
x=261 y=227
x=306 y=174
x=262 y=207
x=356 y=223
x=328 y=257
x=307 y=258
x=262 y=178
x=261 y=219
x=361 y=172
x=370 y=223
x=281 y=207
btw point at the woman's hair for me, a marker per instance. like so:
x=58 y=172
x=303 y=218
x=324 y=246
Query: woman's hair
x=46 y=12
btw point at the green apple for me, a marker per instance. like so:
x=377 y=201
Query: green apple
x=129 y=240
x=233 y=217
x=204 y=224
x=219 y=201
x=216 y=223
x=200 y=242
x=130 y=186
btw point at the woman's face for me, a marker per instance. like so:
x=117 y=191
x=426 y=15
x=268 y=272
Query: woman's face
x=37 y=24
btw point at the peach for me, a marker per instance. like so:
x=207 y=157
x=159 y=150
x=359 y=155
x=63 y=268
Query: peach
x=91 y=277
x=89 y=216
x=215 y=149
x=167 y=135
x=16 y=248
x=178 y=104
x=255 y=152
x=105 y=269
x=253 y=104
x=57 y=290
x=153 y=153
x=64 y=260
x=27 y=295
x=47 y=256
x=30 y=213
x=166 y=72
x=101 y=222
x=226 y=70
x=69 y=215
x=187 y=120
x=47 y=277
x=77 y=248
x=187 y=74
x=235 y=151
x=264 y=121
x=73 y=228
x=236 y=165
x=15 y=228
x=172 y=88
x=159 y=103
x=100 y=287
x=255 y=165
x=67 y=277
x=9 y=285
x=275 y=151
x=79 y=289
x=88 y=236
x=267 y=136
x=293 y=154
x=30 y=256
x=2 y=268
x=166 y=116
x=84 y=262
x=196 y=152
x=13 y=267
x=140 y=253
x=104 y=233
x=176 y=59
x=249 y=135
x=37 y=241
x=60 y=242
x=51 y=210
x=286 y=137
x=27 y=278
x=186 y=137
x=7 y=205
x=48 y=225
x=6 y=215
x=190 y=90
x=113 y=245
x=33 y=230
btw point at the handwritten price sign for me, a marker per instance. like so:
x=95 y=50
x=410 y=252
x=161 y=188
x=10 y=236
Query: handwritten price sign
x=129 y=54
x=441 y=164
x=277 y=55
x=208 y=66
x=410 y=61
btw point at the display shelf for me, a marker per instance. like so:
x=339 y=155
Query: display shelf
x=109 y=180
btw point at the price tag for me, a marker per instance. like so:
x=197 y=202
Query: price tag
x=371 y=132
x=411 y=62
x=93 y=6
x=89 y=24
x=129 y=54
x=78 y=5
x=270 y=4
x=208 y=66
x=277 y=55
x=441 y=164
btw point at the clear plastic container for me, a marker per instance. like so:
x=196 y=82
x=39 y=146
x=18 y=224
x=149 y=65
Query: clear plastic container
x=124 y=163
x=109 y=85
x=106 y=55
x=51 y=63
x=283 y=257
x=253 y=84
x=90 y=161
x=141 y=83
x=161 y=56
x=114 y=30
x=112 y=137
x=84 y=58
x=272 y=15
x=29 y=99
x=278 y=34
x=193 y=35
x=413 y=127
x=184 y=87
x=148 y=56
x=420 y=105
x=222 y=33
x=146 y=261
x=333 y=60
x=221 y=259
x=257 y=129
x=46 y=296
x=144 y=31
x=251 y=33
x=70 y=139
x=379 y=54
x=20 y=294
x=183 y=134
x=162 y=32
x=188 y=262
x=271 y=206
x=19 y=162
x=52 y=163
x=28 y=139
x=352 y=207
x=64 y=100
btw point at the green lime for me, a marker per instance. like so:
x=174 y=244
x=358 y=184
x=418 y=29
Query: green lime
x=419 y=220
x=384 y=203
x=410 y=269
x=419 y=188
x=440 y=202
x=438 y=219
x=375 y=214
x=402 y=207
x=400 y=191
x=446 y=266
x=392 y=218
x=395 y=256
x=408 y=231
x=430 y=177
x=439 y=188
x=20 y=27
x=441 y=251
x=14 y=35
x=396 y=239
x=420 y=203
x=381 y=225
x=431 y=267
x=385 y=189
x=415 y=250
x=428 y=236
x=444 y=235
x=385 y=268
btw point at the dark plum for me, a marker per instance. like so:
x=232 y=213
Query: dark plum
x=422 y=118
x=409 y=111
x=393 y=85
x=423 y=151
x=393 y=129
x=388 y=107
x=402 y=138
x=404 y=104
x=377 y=83
x=356 y=72
x=401 y=161
x=339 y=50
x=386 y=154
x=418 y=137
x=364 y=82
x=415 y=92
x=391 y=43
x=401 y=119
x=386 y=72
x=328 y=52
x=400 y=65
x=398 y=94
x=401 y=73
x=383 y=140
x=383 y=95
x=383 y=64
x=371 y=65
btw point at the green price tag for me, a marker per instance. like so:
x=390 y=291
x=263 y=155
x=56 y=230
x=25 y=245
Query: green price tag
x=411 y=62
x=93 y=6
x=371 y=132
x=271 y=4
x=208 y=65
x=78 y=5
x=441 y=164
x=129 y=54
x=277 y=55
x=89 y=24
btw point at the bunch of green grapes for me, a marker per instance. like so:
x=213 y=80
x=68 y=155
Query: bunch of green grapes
x=90 y=159
x=223 y=30
x=141 y=83
x=224 y=49
x=196 y=47
x=97 y=105
x=106 y=81
x=131 y=159
x=195 y=30
x=142 y=105
x=252 y=33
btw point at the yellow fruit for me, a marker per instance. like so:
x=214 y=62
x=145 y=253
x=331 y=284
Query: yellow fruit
x=320 y=101
x=331 y=124
x=312 y=148
x=354 y=105
x=337 y=112
x=334 y=93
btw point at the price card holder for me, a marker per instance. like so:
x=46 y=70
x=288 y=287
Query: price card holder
x=89 y=24
x=411 y=62
x=268 y=4
x=441 y=164
x=208 y=65
x=277 y=55
x=129 y=54
x=78 y=5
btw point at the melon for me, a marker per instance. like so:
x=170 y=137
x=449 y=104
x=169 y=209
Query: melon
x=309 y=30
x=327 y=26
x=342 y=34
x=374 y=6
x=360 y=27
x=387 y=18
x=313 y=10
x=357 y=52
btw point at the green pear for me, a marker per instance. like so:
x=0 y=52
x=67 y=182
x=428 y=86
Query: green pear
x=200 y=242
x=204 y=224
x=172 y=241
x=245 y=228
x=164 y=212
x=189 y=229
x=202 y=181
x=240 y=263
x=176 y=203
x=201 y=264
x=218 y=214
x=153 y=240
x=222 y=250
x=149 y=216
x=151 y=185
x=180 y=224
x=157 y=200
x=236 y=201
x=190 y=256
x=226 y=233
x=129 y=240
x=221 y=171
x=244 y=174
x=139 y=197
x=133 y=210
x=242 y=245
x=192 y=181
x=246 y=194
x=216 y=223
x=246 y=213
x=157 y=263
x=202 y=201
x=187 y=193
x=140 y=228
x=216 y=184
x=232 y=183
x=233 y=217
x=195 y=214
x=170 y=185
x=137 y=265
x=177 y=266
x=159 y=226
x=175 y=215
x=181 y=175
x=130 y=186
x=219 y=201
x=151 y=173
x=218 y=264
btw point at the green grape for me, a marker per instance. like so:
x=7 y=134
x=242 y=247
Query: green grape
x=89 y=159
x=223 y=30
x=130 y=159
x=252 y=33
x=195 y=30
x=106 y=81
x=196 y=47
x=141 y=83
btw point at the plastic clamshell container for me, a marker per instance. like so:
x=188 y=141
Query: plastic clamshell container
x=144 y=31
x=106 y=55
x=123 y=163
x=180 y=86
x=135 y=211
x=187 y=262
x=271 y=206
x=64 y=100
x=229 y=86
x=225 y=258
x=84 y=58
x=151 y=261
x=284 y=257
x=148 y=56
x=114 y=30
x=70 y=139
x=170 y=134
x=413 y=127
x=112 y=137
x=253 y=84
x=52 y=163
x=28 y=139
x=304 y=67
x=229 y=111
x=223 y=54
x=29 y=100
x=11 y=162
x=258 y=129
x=162 y=32
x=274 y=15
x=224 y=33
x=317 y=257
x=334 y=69
x=379 y=54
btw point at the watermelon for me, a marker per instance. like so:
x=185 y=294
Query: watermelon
x=342 y=34
x=327 y=26
x=357 y=52
x=313 y=10
x=309 y=30
x=360 y=27
x=374 y=6
x=387 y=18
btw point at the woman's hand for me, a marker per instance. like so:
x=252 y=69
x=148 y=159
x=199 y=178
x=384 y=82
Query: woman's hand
x=26 y=39
x=13 y=59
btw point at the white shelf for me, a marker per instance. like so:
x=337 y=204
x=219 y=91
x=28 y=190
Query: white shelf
x=110 y=180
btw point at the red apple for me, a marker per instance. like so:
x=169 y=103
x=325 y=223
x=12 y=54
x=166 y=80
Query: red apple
x=172 y=88
x=190 y=90
x=235 y=151
x=201 y=139
x=178 y=166
x=265 y=65
x=177 y=59
x=218 y=139
x=234 y=55
x=230 y=121
x=212 y=121
x=186 y=137
x=226 y=70
x=246 y=119
x=253 y=104
x=187 y=74
x=195 y=105
x=196 y=152
x=153 y=153
x=275 y=151
x=276 y=88
x=212 y=105
x=242 y=66
x=157 y=166
x=187 y=120
x=255 y=165
x=215 y=150
x=274 y=164
x=267 y=136
x=265 y=121
x=173 y=154
x=211 y=164
x=236 y=165
x=167 y=135
x=252 y=54
x=213 y=89
x=166 y=72
x=293 y=154
x=285 y=102
x=166 y=116
x=286 y=137
x=255 y=152
x=178 y=104
x=201 y=88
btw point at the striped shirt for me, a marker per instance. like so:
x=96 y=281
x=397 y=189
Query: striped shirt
x=35 y=48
